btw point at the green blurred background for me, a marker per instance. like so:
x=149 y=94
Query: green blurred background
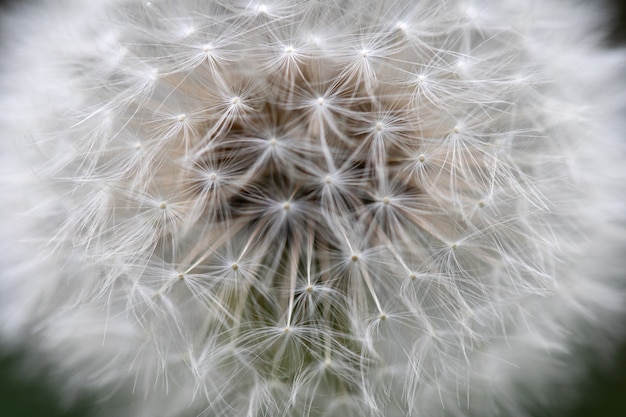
x=603 y=392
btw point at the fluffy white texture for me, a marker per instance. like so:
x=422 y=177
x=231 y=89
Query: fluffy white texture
x=311 y=208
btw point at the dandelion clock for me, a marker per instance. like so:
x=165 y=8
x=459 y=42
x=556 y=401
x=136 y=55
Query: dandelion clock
x=231 y=208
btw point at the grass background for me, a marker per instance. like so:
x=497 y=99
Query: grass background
x=603 y=392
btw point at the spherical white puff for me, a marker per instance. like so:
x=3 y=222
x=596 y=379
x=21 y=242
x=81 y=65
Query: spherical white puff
x=311 y=208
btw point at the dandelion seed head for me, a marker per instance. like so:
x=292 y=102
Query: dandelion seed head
x=309 y=208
